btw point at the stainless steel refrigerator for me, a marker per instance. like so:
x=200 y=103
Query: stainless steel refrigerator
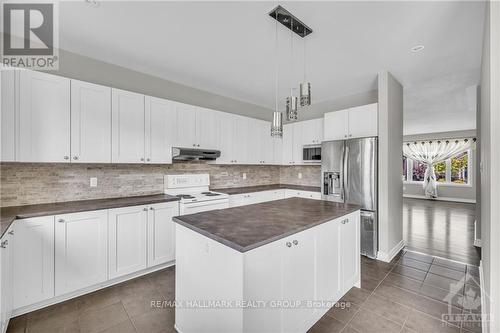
x=349 y=174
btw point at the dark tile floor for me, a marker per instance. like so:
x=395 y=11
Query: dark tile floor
x=409 y=294
x=440 y=228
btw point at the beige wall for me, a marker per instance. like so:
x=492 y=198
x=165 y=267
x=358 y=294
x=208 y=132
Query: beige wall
x=30 y=183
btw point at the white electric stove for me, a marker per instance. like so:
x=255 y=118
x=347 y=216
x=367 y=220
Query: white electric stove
x=193 y=191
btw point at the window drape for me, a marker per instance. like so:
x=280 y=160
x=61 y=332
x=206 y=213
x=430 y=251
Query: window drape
x=432 y=152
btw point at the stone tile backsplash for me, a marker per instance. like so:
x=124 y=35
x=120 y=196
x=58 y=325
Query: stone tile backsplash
x=33 y=183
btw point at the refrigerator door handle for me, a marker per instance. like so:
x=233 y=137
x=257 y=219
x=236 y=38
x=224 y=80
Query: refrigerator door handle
x=342 y=181
x=345 y=167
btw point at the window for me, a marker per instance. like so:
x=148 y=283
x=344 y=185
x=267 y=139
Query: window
x=452 y=171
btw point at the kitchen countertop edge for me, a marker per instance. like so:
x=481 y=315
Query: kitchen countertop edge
x=243 y=249
x=261 y=188
x=9 y=214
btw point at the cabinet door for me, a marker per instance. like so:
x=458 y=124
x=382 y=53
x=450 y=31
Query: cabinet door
x=336 y=125
x=328 y=261
x=288 y=144
x=127 y=240
x=128 y=127
x=80 y=250
x=241 y=140
x=297 y=143
x=349 y=250
x=298 y=279
x=186 y=126
x=206 y=128
x=308 y=132
x=44 y=117
x=277 y=151
x=90 y=123
x=161 y=127
x=363 y=121
x=266 y=143
x=225 y=138
x=33 y=273
x=8 y=116
x=318 y=137
x=161 y=233
x=6 y=265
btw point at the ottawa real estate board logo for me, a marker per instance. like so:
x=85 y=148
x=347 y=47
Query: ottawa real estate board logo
x=30 y=35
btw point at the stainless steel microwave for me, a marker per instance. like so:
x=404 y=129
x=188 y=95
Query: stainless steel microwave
x=311 y=154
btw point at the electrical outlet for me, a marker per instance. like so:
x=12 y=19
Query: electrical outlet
x=300 y=175
x=93 y=182
x=244 y=175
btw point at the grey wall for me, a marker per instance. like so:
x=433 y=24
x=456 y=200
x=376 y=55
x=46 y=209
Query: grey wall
x=467 y=193
x=83 y=68
x=390 y=122
x=490 y=159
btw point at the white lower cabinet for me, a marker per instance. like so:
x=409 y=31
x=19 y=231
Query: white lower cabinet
x=302 y=194
x=309 y=266
x=33 y=273
x=161 y=233
x=127 y=240
x=6 y=265
x=80 y=250
x=349 y=250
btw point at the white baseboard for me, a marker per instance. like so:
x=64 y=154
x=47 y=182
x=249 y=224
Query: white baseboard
x=417 y=196
x=387 y=257
x=87 y=290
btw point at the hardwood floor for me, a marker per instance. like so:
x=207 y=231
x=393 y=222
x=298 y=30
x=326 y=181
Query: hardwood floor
x=440 y=228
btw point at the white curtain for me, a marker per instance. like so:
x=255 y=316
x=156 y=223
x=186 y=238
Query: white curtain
x=432 y=152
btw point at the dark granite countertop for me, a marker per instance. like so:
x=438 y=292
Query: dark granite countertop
x=247 y=227
x=259 y=188
x=9 y=214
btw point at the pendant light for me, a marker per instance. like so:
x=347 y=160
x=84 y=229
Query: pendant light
x=277 y=124
x=305 y=87
x=291 y=101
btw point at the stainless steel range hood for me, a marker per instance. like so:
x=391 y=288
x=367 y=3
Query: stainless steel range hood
x=190 y=154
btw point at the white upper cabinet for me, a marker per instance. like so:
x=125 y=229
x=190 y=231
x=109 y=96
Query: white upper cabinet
x=297 y=143
x=225 y=140
x=80 y=250
x=287 y=144
x=161 y=127
x=128 y=127
x=266 y=142
x=44 y=117
x=8 y=116
x=241 y=140
x=186 y=125
x=90 y=123
x=312 y=131
x=336 y=125
x=277 y=151
x=357 y=122
x=207 y=128
x=363 y=121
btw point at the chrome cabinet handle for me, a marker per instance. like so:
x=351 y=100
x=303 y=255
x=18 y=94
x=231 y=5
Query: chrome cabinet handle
x=60 y=220
x=75 y=158
x=145 y=209
x=148 y=159
x=11 y=232
x=142 y=159
x=295 y=242
x=288 y=244
x=345 y=221
x=194 y=144
x=198 y=145
x=66 y=157
x=4 y=244
x=151 y=208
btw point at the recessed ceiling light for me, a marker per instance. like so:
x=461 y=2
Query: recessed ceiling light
x=417 y=48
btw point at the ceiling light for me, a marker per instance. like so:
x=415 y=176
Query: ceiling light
x=417 y=48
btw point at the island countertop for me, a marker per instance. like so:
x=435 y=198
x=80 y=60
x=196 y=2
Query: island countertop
x=247 y=227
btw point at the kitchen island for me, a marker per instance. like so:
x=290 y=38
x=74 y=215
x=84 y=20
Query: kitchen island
x=276 y=266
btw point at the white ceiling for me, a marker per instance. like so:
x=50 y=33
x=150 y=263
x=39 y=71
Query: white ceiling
x=228 y=48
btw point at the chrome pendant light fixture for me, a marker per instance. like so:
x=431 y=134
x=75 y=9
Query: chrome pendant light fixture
x=305 y=87
x=277 y=124
x=291 y=101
